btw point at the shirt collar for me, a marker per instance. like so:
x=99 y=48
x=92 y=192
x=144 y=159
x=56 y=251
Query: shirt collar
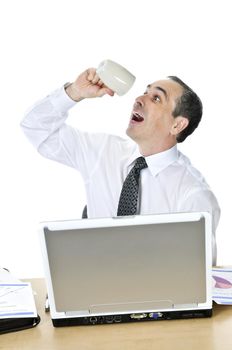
x=157 y=162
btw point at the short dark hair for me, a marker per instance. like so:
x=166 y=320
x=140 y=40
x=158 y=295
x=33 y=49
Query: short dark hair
x=189 y=106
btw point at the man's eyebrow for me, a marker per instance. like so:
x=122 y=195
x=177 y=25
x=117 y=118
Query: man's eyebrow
x=161 y=89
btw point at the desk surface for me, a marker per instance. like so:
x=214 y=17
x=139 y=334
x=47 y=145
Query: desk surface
x=193 y=334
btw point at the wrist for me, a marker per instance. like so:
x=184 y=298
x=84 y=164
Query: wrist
x=72 y=92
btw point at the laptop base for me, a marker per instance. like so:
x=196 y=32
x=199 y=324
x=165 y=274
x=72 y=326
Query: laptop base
x=136 y=317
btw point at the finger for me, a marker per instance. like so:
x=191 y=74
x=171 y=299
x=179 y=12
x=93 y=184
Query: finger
x=91 y=73
x=105 y=91
x=109 y=92
x=95 y=79
x=100 y=83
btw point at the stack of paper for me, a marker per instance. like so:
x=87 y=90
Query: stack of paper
x=16 y=303
x=222 y=285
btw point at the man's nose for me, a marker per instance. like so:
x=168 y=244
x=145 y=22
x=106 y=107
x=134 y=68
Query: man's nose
x=139 y=101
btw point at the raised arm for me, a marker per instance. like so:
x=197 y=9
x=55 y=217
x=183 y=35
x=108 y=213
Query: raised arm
x=45 y=127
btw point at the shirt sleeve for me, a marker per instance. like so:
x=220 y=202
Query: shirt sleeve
x=45 y=127
x=206 y=201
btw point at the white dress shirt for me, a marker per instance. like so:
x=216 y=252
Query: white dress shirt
x=169 y=184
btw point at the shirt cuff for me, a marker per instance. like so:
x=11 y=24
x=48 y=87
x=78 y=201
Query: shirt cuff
x=61 y=101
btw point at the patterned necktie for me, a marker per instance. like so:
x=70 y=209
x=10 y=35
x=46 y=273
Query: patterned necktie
x=129 y=195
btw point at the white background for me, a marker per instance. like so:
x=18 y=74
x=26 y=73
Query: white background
x=47 y=43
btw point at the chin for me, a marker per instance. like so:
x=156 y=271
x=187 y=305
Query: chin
x=129 y=132
x=132 y=134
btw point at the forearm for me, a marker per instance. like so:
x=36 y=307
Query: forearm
x=45 y=127
x=48 y=115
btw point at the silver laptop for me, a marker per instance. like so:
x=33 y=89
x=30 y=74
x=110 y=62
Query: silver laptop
x=128 y=269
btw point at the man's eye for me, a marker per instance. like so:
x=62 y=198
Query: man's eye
x=156 y=98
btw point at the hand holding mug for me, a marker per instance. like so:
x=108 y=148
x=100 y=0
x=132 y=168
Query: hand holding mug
x=88 y=85
x=110 y=77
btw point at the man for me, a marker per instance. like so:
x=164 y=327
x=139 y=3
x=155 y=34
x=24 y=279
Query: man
x=165 y=114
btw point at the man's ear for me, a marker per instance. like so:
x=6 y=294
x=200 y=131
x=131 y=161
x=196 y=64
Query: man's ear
x=179 y=124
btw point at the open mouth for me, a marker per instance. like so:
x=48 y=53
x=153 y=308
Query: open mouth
x=136 y=117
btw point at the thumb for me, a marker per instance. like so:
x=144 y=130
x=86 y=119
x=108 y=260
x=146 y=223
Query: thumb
x=105 y=91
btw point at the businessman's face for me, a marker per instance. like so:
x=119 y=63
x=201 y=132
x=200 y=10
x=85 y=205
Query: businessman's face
x=151 y=121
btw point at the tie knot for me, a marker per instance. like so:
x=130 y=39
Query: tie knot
x=140 y=163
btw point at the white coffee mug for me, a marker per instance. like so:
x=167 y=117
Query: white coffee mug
x=115 y=77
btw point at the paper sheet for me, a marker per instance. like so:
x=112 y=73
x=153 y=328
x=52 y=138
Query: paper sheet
x=222 y=285
x=16 y=297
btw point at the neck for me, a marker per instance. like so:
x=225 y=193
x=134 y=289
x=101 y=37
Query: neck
x=148 y=150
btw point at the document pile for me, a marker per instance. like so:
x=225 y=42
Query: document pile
x=17 y=305
x=222 y=285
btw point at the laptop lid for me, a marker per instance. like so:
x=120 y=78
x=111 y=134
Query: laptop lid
x=128 y=264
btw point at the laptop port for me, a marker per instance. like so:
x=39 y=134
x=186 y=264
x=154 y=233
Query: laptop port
x=155 y=315
x=117 y=318
x=138 y=316
x=93 y=320
x=109 y=319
